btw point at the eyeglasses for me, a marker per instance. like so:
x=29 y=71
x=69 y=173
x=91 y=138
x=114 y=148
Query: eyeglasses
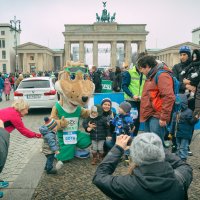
x=75 y=69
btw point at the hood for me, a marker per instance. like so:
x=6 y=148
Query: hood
x=197 y=52
x=154 y=70
x=184 y=101
x=43 y=130
x=156 y=177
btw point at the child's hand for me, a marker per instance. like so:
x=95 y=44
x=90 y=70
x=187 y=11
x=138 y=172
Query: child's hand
x=57 y=152
x=92 y=125
x=89 y=129
x=186 y=81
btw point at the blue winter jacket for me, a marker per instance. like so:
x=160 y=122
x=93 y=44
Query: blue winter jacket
x=183 y=126
x=50 y=140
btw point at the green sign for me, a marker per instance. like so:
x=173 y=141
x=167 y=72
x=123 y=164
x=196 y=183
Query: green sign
x=106 y=86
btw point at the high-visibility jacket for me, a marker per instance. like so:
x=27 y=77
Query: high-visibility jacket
x=136 y=83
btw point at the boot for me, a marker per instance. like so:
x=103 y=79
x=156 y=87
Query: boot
x=100 y=156
x=94 y=158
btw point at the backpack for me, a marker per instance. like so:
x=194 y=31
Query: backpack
x=176 y=87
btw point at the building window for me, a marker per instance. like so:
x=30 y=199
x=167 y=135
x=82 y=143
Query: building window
x=3 y=54
x=2 y=43
x=4 y=68
x=31 y=57
x=2 y=32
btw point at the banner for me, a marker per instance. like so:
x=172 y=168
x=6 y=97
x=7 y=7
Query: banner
x=106 y=86
x=116 y=99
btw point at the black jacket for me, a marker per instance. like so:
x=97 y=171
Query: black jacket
x=177 y=69
x=197 y=100
x=96 y=78
x=156 y=181
x=102 y=129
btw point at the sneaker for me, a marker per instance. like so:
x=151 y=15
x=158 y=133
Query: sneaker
x=59 y=165
x=82 y=154
x=4 y=184
x=1 y=194
x=190 y=153
x=52 y=171
x=174 y=149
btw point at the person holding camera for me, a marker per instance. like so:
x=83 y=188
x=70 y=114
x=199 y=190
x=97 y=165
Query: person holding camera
x=154 y=174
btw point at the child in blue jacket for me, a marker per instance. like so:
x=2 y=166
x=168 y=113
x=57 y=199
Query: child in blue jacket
x=50 y=146
x=182 y=127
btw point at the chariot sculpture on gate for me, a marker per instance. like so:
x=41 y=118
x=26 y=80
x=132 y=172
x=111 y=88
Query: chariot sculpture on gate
x=105 y=16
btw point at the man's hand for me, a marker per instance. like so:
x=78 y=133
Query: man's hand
x=136 y=98
x=122 y=141
x=1 y=124
x=63 y=122
x=162 y=123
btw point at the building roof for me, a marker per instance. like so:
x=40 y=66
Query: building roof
x=196 y=29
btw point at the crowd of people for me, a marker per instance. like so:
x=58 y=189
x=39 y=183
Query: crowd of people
x=149 y=88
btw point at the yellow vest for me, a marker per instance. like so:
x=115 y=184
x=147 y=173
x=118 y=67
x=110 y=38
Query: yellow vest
x=134 y=85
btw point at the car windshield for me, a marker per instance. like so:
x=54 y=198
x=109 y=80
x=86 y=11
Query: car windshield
x=34 y=84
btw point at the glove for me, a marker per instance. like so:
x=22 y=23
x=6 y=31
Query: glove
x=63 y=122
x=194 y=75
x=183 y=72
x=38 y=135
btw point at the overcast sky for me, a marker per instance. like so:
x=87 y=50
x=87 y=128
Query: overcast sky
x=169 y=22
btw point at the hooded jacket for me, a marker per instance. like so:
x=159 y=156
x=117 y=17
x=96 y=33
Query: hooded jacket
x=50 y=144
x=157 y=99
x=156 y=181
x=183 y=121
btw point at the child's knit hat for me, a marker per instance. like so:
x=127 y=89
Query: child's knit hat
x=125 y=106
x=50 y=123
x=98 y=109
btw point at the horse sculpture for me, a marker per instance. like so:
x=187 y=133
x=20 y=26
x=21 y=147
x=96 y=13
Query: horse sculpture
x=113 y=17
x=97 y=17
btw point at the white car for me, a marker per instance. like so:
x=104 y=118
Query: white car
x=39 y=92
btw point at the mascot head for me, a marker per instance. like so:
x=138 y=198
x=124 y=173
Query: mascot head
x=74 y=85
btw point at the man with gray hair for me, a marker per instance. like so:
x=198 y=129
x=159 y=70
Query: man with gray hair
x=155 y=174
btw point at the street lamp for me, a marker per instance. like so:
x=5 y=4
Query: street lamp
x=15 y=26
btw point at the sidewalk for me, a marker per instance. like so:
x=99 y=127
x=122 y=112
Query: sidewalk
x=74 y=180
x=22 y=151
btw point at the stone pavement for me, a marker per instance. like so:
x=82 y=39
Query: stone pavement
x=24 y=169
x=74 y=180
x=21 y=151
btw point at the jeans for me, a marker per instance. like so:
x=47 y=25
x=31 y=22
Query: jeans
x=182 y=147
x=49 y=163
x=152 y=126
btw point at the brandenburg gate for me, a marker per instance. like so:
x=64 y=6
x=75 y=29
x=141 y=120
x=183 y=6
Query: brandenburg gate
x=105 y=30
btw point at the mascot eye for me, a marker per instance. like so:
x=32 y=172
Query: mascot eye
x=71 y=97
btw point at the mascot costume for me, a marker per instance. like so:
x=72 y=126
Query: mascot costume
x=75 y=89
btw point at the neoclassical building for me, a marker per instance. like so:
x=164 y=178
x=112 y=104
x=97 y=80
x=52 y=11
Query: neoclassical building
x=35 y=57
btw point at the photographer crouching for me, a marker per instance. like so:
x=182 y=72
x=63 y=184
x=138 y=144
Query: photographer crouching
x=155 y=174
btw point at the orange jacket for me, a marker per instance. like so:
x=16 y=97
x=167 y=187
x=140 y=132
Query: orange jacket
x=157 y=99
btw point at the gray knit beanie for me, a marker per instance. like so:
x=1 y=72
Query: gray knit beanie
x=125 y=106
x=147 y=148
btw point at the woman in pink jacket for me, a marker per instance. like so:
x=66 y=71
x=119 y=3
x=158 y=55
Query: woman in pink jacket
x=7 y=89
x=11 y=117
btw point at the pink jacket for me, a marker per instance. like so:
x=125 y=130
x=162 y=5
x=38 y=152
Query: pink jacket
x=11 y=115
x=7 y=86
